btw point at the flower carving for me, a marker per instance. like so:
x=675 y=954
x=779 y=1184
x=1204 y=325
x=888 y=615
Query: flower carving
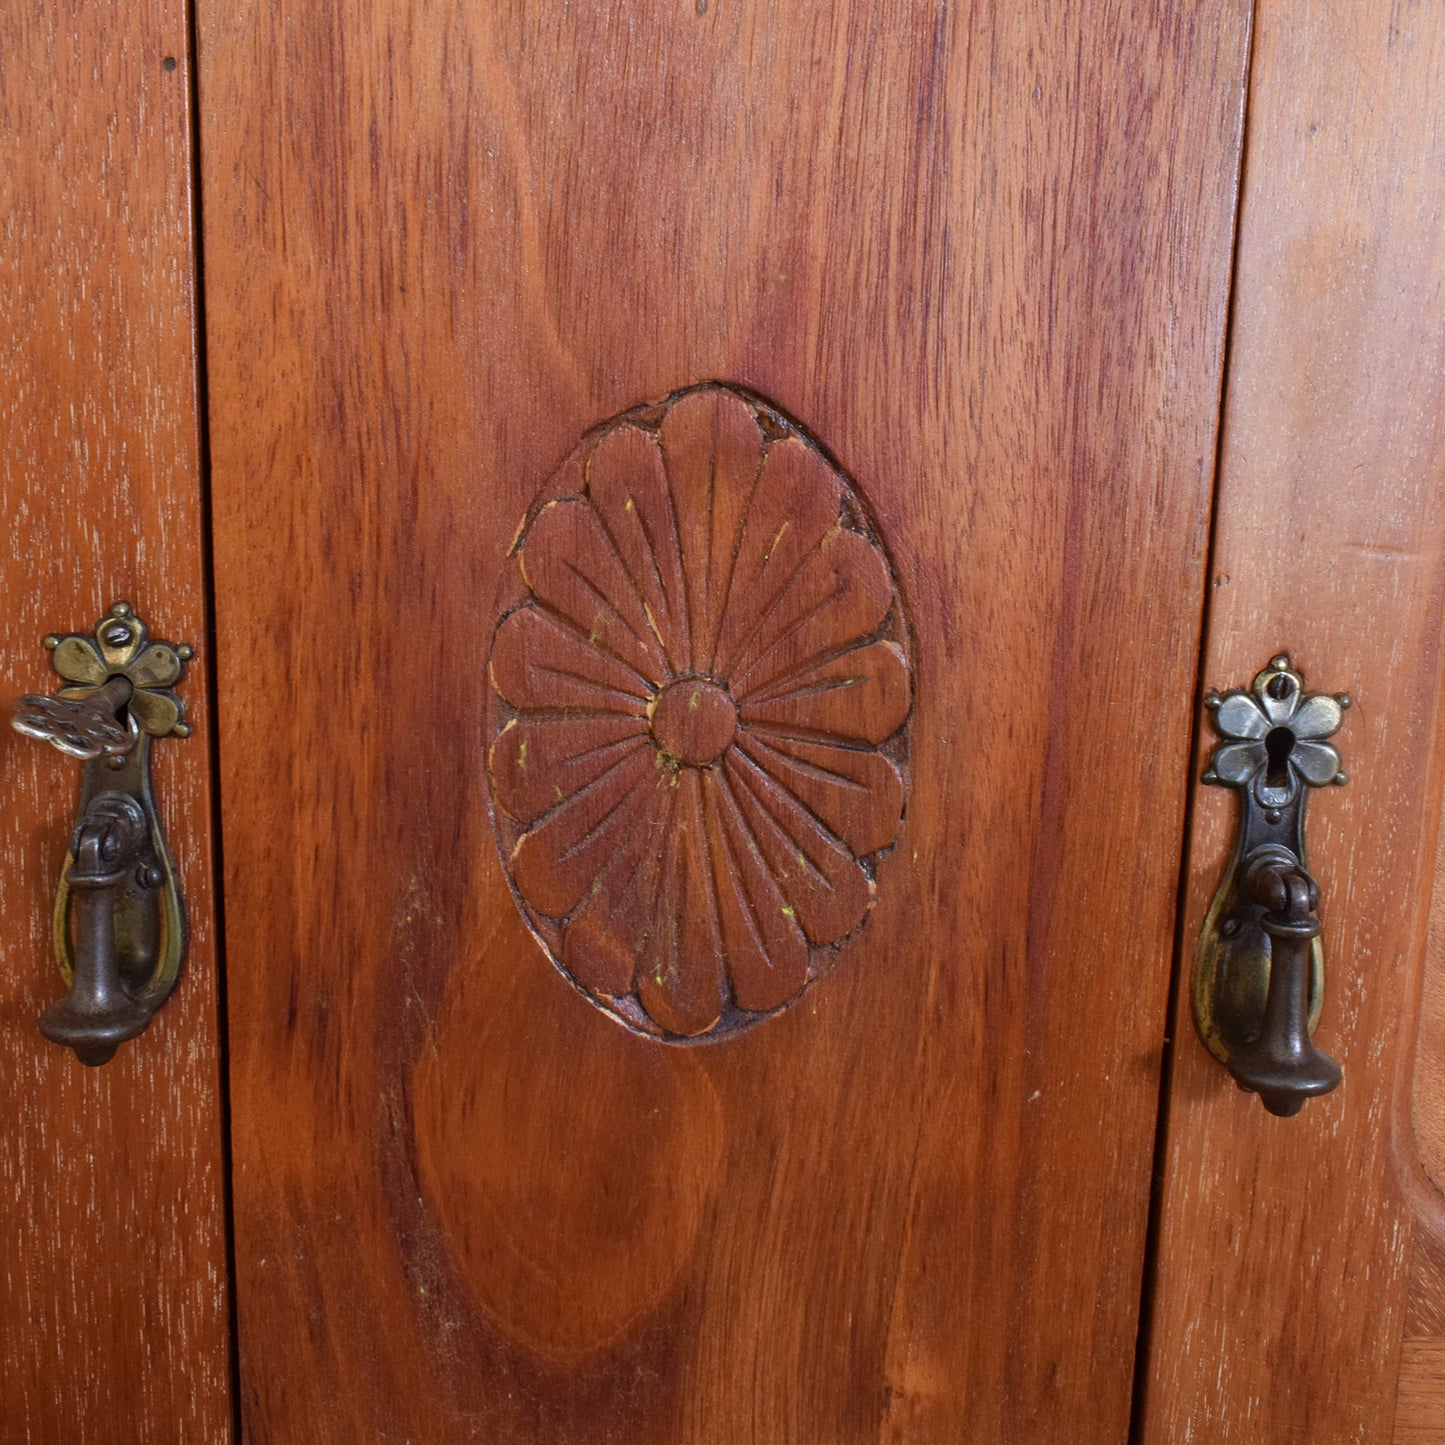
x=1274 y=735
x=700 y=698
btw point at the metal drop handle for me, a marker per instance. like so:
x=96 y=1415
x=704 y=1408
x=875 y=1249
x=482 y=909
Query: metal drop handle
x=1259 y=978
x=119 y=924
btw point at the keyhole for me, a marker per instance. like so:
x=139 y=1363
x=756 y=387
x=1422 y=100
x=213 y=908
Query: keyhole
x=1278 y=744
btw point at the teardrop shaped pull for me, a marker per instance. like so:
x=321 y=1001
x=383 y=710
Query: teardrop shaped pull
x=1259 y=975
x=119 y=922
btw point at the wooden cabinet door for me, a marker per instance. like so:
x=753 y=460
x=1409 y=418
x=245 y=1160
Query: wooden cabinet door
x=1299 y=1291
x=713 y=517
x=114 y=1319
x=710 y=514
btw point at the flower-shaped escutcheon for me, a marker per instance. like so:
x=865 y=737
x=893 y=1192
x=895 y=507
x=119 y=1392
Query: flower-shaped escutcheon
x=1274 y=735
x=121 y=647
x=701 y=693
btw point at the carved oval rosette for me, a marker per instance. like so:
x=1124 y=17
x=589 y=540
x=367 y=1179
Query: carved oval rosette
x=700 y=691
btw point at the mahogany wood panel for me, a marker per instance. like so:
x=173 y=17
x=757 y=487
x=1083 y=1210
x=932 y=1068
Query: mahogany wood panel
x=981 y=252
x=113 y=1291
x=1420 y=1407
x=1280 y=1301
x=1428 y=1099
x=1420 y=1400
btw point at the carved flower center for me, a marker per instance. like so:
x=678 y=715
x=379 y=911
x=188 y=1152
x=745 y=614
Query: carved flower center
x=694 y=720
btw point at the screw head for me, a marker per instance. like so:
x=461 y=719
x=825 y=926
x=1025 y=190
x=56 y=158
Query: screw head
x=1273 y=814
x=117 y=634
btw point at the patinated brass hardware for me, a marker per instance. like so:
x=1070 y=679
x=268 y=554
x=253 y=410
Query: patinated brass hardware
x=1260 y=975
x=119 y=924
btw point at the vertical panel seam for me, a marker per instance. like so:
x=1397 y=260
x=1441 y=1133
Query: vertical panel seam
x=209 y=673
x=1182 y=953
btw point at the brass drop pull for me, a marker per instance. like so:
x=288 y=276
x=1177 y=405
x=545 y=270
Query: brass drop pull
x=1260 y=974
x=119 y=924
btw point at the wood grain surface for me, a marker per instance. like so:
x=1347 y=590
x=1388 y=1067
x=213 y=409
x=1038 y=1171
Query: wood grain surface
x=113 y=1292
x=1281 y=1296
x=1420 y=1410
x=982 y=251
x=1420 y=1399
